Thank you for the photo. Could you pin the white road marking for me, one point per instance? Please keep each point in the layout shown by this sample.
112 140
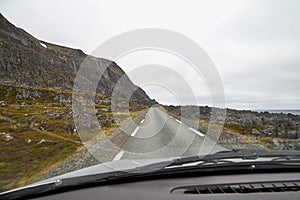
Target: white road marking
142 120
178 121
171 117
197 132
135 162
135 131
119 155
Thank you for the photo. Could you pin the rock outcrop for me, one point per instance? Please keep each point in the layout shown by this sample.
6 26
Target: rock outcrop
25 60
283 128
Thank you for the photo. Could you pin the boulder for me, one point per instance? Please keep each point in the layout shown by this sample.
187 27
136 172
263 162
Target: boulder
255 132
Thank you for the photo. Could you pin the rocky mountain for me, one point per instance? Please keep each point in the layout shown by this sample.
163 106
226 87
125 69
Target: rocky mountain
27 61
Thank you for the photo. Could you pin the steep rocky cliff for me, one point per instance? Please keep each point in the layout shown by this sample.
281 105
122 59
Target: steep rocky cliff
27 61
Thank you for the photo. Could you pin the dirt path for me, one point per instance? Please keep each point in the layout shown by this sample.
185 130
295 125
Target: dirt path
55 135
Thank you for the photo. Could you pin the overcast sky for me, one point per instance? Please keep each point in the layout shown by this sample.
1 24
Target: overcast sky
255 44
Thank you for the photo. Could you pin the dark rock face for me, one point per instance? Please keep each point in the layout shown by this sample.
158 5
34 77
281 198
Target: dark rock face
28 61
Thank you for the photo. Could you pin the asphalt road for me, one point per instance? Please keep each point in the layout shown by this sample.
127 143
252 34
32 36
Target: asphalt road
160 135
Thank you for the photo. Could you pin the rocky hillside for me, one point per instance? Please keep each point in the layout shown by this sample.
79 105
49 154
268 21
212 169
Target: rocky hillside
274 130
27 61
36 116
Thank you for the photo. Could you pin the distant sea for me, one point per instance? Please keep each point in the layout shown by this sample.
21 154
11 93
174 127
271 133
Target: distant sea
294 111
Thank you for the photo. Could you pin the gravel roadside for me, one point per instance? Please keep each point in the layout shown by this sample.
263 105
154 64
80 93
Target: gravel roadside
105 153
230 141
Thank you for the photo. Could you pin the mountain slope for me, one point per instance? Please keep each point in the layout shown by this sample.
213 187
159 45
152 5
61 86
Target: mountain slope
28 61
37 129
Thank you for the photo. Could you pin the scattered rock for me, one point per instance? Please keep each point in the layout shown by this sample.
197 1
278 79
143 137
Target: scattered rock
276 142
293 135
257 121
44 141
230 141
255 132
41 141
6 136
58 116
269 134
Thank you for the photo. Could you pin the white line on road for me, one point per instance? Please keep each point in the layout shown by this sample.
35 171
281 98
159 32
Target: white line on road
178 121
197 132
142 121
171 117
119 155
135 131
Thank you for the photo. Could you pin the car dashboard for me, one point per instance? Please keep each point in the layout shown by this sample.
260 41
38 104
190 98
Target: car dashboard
239 186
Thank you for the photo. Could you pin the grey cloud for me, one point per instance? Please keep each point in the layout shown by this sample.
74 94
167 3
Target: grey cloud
257 49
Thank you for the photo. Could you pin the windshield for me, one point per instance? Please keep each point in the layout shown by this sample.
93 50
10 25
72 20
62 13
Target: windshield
87 83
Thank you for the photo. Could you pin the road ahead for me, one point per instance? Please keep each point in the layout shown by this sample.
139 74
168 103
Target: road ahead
160 135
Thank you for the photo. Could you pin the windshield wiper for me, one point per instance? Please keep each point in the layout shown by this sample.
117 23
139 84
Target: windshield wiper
244 154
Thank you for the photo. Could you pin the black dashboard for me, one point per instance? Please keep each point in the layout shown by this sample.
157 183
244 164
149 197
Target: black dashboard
240 186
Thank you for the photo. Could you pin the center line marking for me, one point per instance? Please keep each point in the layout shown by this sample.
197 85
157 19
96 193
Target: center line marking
197 132
119 155
178 121
135 131
142 121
